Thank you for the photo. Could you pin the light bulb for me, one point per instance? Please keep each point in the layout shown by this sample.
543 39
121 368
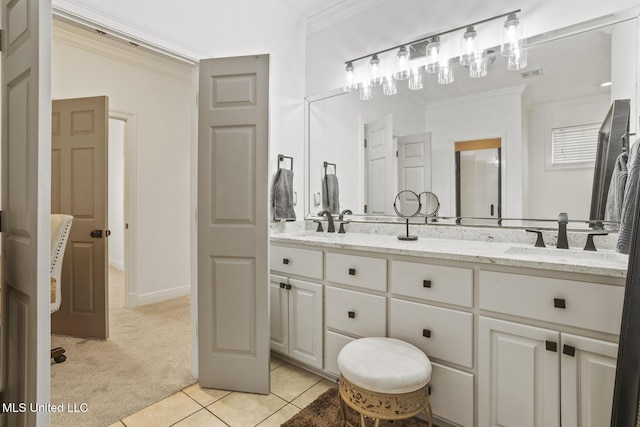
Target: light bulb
511 35
468 46
374 71
433 55
478 68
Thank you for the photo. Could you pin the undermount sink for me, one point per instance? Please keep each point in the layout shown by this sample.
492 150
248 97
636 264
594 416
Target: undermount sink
567 253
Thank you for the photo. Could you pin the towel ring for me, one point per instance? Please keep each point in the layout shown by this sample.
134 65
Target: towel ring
327 164
281 158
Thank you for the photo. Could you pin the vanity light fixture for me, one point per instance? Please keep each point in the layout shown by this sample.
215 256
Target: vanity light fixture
513 44
403 64
350 84
428 52
433 55
374 71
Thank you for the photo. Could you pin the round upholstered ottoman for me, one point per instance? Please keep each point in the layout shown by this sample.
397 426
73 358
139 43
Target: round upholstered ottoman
384 379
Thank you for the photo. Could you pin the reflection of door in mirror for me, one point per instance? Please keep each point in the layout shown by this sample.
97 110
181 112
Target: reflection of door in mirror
414 166
478 183
380 178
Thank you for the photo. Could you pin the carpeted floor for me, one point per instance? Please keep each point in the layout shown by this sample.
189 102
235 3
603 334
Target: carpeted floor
146 358
325 412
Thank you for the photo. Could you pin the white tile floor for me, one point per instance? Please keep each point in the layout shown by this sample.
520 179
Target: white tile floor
292 389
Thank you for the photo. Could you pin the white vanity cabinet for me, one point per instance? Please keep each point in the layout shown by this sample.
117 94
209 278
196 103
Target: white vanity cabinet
296 305
544 376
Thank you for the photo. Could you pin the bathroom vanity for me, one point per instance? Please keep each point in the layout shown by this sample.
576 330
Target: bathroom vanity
516 335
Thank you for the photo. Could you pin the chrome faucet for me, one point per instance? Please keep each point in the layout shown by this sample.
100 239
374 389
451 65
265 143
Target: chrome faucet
563 219
330 228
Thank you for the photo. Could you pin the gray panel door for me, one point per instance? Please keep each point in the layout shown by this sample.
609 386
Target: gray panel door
233 240
26 165
79 158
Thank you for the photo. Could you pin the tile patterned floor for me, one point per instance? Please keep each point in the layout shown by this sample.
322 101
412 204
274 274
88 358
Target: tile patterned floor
292 389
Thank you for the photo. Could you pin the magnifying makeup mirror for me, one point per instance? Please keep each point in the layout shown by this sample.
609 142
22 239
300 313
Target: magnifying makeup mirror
430 205
407 204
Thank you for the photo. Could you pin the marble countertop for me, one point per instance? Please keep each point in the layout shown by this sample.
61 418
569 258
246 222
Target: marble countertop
603 262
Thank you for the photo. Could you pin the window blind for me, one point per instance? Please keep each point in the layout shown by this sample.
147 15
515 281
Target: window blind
574 145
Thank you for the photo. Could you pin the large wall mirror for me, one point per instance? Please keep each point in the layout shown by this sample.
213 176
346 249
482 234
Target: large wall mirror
411 136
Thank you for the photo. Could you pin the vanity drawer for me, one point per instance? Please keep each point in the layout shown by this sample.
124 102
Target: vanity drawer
355 312
333 343
568 302
364 272
452 394
301 262
440 332
451 285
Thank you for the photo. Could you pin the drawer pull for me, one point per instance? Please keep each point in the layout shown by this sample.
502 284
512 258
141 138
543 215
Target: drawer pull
426 333
283 285
551 346
352 272
426 283
352 315
285 261
559 303
569 350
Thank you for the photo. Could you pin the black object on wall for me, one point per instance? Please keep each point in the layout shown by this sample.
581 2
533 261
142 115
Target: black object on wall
612 140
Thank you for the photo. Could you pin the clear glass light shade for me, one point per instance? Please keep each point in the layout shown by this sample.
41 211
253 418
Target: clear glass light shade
445 73
469 46
402 64
389 86
478 68
517 59
433 55
375 75
349 78
511 35
415 79
366 92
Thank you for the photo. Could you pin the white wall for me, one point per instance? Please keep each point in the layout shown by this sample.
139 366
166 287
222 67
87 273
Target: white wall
116 193
575 200
495 114
162 104
393 22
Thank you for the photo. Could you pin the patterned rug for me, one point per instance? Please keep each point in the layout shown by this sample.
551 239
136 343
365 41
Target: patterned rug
325 412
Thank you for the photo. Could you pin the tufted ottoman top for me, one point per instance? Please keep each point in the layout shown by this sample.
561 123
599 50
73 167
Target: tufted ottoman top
384 365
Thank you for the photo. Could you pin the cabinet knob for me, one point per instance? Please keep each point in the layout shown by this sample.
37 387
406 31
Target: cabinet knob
352 315
352 272
569 350
559 303
426 283
551 346
426 333
285 261
283 285
288 287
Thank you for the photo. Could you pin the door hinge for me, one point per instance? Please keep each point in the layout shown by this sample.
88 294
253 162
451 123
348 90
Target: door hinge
0 221
365 143
396 153
365 208
1 33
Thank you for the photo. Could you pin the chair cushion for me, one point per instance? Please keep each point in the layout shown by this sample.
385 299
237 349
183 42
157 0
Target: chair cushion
384 365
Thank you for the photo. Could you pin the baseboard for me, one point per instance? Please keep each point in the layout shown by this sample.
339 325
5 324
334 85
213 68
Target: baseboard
167 294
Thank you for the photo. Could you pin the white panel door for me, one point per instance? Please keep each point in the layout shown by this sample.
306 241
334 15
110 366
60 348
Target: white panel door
518 375
233 229
379 166
414 167
588 375
26 199
305 322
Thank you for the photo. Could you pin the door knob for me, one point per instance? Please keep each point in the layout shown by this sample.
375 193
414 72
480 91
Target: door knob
96 234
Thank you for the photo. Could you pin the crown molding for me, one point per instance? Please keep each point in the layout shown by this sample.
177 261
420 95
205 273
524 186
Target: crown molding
74 12
338 12
118 51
